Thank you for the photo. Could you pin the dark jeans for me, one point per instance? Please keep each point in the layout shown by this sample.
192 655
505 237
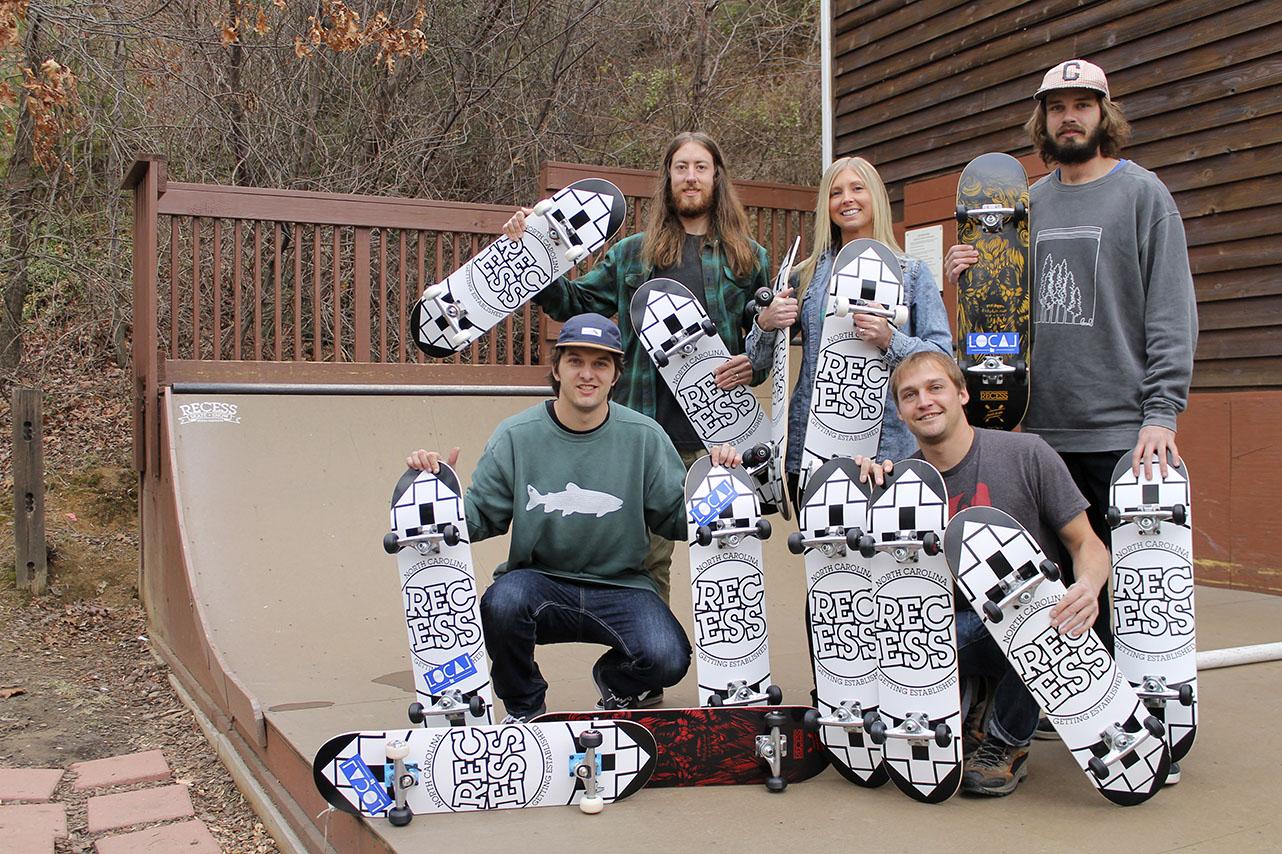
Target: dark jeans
1012 711
1093 474
648 648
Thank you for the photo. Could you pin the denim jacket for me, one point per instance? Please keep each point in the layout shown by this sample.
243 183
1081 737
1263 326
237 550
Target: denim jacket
927 328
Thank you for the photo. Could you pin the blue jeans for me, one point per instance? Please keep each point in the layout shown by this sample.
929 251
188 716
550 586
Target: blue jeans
648 648
1012 711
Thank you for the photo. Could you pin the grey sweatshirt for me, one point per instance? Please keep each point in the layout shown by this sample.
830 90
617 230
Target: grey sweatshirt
1115 318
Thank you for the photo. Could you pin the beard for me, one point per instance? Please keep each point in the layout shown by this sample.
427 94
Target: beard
693 207
1072 153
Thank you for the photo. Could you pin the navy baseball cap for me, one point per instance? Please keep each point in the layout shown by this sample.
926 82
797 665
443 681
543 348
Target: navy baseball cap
591 330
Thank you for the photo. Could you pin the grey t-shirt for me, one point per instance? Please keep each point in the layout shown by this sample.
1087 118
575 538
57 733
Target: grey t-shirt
1020 474
1115 318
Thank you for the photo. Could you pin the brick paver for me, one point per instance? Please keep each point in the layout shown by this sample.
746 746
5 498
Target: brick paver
48 818
144 767
28 784
28 840
188 837
160 803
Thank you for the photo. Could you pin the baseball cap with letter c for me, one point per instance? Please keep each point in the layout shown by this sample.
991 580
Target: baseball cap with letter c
1074 74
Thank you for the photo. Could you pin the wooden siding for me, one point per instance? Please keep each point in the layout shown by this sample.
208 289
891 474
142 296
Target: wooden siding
923 86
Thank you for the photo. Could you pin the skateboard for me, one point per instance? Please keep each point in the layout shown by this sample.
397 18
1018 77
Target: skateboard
779 380
1007 579
439 595
731 653
733 745
676 332
398 774
1153 626
994 330
851 375
563 230
918 701
840 615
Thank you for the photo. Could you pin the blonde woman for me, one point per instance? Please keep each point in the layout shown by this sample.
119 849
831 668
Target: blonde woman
852 204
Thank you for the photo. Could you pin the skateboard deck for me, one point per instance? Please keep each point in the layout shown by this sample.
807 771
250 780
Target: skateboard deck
565 229
465 769
917 686
731 650
440 599
840 611
676 332
727 746
1153 624
994 327
1007 579
779 373
851 375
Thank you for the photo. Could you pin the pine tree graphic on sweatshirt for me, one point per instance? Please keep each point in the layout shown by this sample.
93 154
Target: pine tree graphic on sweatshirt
1066 275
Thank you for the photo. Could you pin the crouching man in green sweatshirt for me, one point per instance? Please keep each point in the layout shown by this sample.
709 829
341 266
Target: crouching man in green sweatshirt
582 482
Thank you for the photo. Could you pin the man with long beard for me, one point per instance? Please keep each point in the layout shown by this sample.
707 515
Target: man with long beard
1115 316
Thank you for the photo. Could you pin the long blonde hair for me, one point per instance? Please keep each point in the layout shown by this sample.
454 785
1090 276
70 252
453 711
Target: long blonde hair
827 235
664 234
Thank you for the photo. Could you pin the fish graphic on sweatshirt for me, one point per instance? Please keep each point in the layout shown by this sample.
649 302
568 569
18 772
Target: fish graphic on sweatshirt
574 499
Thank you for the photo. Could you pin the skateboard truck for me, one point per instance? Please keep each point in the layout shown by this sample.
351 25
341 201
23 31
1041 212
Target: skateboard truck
992 217
848 714
1148 518
685 344
402 780
914 728
1154 692
1121 743
562 231
453 314
426 542
740 693
992 369
833 541
905 546
1019 590
761 462
773 748
897 316
728 537
586 769
449 705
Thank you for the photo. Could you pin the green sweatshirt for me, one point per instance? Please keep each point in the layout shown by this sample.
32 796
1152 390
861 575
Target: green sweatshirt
581 505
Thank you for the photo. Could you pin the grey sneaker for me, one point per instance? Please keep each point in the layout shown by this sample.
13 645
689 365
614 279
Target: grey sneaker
994 769
1173 776
1045 730
524 719
611 700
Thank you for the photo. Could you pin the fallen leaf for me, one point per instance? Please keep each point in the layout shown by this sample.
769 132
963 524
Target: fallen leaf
11 691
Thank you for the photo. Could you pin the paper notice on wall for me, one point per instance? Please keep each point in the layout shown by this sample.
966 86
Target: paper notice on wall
927 245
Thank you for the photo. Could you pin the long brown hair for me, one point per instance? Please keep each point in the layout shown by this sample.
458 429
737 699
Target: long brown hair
664 235
827 235
1115 130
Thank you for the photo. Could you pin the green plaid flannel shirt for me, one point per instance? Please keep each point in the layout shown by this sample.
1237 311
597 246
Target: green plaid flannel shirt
608 288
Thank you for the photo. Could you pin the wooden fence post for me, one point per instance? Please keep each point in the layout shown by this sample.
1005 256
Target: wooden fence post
29 491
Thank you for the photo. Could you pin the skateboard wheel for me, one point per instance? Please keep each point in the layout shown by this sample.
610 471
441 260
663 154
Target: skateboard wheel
703 535
716 701
449 534
840 307
810 720
591 738
542 206
943 735
1178 514
1154 726
867 545
796 542
399 816
433 292
391 543
1186 694
774 696
992 611
763 529
757 454
1113 516
961 214
876 730
1021 212
776 784
709 328
775 718
1097 767
576 254
930 543
592 806
764 296
415 713
457 340
476 706
1049 570
900 319
661 358
396 750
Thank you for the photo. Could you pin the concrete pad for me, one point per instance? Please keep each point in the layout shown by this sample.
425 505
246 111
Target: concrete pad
124 770
187 837
28 784
48 819
161 803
